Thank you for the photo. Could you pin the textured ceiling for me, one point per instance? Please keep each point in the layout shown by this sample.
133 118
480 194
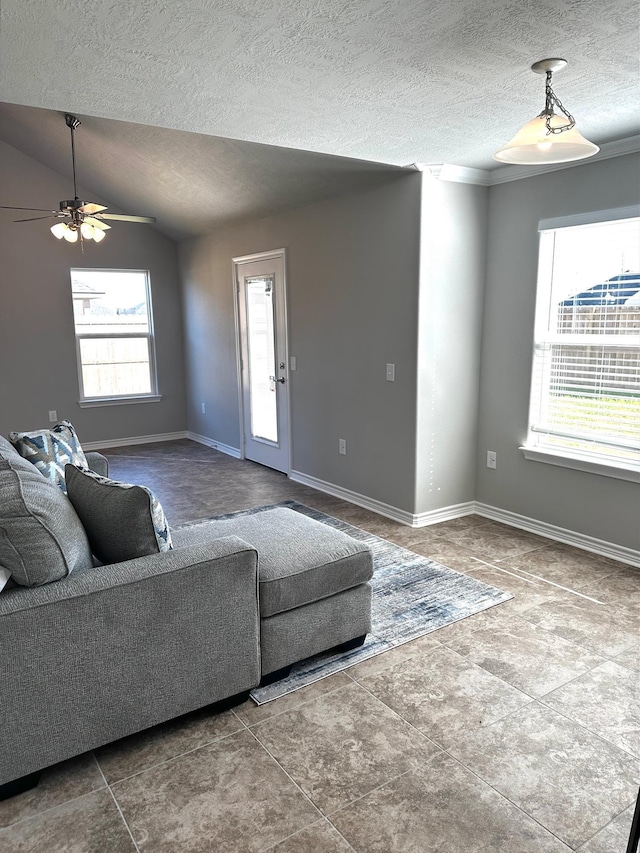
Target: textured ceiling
392 81
190 182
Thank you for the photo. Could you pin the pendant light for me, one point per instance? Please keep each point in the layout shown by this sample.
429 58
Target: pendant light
549 137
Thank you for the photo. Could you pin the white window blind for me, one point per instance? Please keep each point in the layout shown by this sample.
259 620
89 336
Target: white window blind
585 393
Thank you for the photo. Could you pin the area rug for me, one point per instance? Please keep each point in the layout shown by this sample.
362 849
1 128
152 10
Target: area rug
412 596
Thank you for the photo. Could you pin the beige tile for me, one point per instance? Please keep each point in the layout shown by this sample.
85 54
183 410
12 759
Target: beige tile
447 553
570 567
527 592
563 776
441 807
342 745
496 541
630 658
319 838
621 589
442 694
463 523
62 782
229 796
524 655
600 628
613 837
250 713
606 701
90 824
465 627
153 746
378 663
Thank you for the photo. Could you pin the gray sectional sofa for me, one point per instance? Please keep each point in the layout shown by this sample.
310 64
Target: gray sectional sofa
109 650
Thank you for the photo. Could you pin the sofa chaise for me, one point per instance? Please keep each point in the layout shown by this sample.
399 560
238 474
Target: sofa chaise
109 650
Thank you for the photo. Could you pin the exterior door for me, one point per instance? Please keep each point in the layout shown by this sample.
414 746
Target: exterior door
263 358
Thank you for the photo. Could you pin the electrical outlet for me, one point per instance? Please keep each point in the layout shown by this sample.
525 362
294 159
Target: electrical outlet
342 446
204 409
492 458
53 416
391 373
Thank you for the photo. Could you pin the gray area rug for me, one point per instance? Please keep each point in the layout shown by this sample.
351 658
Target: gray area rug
412 596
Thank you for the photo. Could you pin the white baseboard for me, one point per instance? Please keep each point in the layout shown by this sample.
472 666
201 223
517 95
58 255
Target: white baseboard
387 510
522 522
446 513
216 445
560 534
136 439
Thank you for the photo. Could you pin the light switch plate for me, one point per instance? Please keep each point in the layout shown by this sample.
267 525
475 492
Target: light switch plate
391 373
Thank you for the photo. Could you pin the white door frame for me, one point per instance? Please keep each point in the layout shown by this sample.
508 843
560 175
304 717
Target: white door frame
244 259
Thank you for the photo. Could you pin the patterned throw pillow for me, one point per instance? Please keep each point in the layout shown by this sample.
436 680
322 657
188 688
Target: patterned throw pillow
50 450
122 521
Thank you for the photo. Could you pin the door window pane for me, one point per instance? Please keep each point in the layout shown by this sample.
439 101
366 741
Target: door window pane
262 357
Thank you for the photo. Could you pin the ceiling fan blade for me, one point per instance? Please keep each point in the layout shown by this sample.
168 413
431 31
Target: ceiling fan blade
33 218
97 223
35 209
91 208
123 218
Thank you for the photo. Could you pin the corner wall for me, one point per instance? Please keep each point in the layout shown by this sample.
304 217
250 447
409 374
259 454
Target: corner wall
38 369
352 279
590 504
452 267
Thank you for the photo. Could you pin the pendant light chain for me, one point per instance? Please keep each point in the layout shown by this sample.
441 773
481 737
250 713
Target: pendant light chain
551 99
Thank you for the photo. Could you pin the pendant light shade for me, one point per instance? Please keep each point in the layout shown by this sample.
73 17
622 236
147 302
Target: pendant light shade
549 137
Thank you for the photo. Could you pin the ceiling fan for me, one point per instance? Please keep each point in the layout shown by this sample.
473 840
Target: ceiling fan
82 220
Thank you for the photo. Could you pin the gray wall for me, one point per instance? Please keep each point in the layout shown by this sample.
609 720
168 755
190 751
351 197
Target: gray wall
353 267
38 370
598 506
453 241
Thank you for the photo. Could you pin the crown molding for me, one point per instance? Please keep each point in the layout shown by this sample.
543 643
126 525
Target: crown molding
617 148
457 174
504 174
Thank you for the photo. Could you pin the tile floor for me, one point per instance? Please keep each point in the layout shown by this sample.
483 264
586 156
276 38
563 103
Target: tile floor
514 731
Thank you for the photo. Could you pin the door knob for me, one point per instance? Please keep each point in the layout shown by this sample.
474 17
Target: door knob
273 379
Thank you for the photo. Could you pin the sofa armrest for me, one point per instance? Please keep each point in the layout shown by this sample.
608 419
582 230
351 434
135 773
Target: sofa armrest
98 463
111 651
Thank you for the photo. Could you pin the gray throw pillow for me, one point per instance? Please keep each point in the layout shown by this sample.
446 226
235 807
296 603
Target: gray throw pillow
122 521
41 537
50 450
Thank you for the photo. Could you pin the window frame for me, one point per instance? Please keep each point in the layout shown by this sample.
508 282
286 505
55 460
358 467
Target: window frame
534 447
118 399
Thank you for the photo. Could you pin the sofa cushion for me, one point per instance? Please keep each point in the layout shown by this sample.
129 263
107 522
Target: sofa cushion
123 521
50 450
300 560
41 537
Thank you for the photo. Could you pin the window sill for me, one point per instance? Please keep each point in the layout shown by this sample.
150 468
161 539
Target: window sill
119 401
564 459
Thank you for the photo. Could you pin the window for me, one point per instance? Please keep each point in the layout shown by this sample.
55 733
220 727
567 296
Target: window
114 335
585 390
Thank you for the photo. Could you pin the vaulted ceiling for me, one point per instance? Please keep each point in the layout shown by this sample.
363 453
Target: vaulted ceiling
391 81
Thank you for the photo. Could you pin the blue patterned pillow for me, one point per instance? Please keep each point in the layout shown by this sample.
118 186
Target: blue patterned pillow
122 521
50 450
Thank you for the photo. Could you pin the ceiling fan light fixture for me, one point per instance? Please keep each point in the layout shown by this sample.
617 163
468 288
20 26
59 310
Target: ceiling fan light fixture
98 235
58 229
550 137
71 234
87 231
